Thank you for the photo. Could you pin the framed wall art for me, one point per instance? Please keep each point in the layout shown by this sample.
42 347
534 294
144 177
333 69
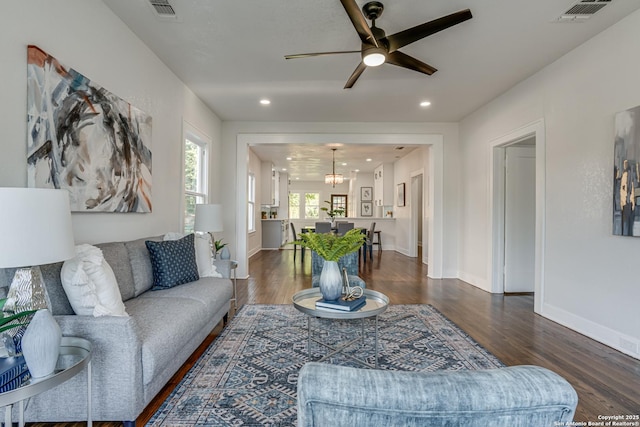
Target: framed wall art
366 194
84 139
366 209
400 194
626 164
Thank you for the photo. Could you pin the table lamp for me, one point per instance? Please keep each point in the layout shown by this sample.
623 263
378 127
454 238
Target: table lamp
209 220
35 229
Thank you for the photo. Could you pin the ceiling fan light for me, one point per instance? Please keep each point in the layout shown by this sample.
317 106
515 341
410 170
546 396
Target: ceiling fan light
374 56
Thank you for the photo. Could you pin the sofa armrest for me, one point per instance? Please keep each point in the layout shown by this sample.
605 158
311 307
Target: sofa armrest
116 360
515 396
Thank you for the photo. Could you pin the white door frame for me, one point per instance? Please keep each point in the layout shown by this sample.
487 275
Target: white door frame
497 201
436 183
413 222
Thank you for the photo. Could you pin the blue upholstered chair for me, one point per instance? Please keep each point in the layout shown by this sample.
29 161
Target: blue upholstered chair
349 261
339 396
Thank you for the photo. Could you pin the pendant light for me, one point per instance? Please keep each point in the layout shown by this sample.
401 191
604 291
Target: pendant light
333 178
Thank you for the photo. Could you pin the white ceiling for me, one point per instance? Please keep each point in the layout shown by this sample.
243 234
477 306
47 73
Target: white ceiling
231 54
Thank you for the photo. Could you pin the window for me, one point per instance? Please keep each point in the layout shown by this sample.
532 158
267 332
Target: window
195 177
312 205
339 201
294 205
251 209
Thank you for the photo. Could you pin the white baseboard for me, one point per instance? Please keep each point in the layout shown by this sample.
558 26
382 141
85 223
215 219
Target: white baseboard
612 338
478 282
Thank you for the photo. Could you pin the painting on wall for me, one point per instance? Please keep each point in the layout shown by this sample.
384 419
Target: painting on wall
366 194
626 164
83 138
366 209
400 194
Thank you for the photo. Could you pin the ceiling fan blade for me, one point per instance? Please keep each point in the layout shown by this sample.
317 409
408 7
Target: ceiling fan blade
307 55
359 22
403 38
403 60
354 76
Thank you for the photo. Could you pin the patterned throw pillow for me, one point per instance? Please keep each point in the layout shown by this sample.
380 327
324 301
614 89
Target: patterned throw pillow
173 262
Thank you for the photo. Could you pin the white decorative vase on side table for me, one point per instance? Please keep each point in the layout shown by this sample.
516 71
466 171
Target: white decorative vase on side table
41 344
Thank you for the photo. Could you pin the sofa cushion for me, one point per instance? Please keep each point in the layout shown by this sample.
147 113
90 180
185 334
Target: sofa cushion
90 284
166 319
141 264
117 256
173 262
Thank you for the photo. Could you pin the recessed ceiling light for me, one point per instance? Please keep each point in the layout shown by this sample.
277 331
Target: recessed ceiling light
357 170
289 158
265 101
425 103
344 164
284 169
368 160
297 177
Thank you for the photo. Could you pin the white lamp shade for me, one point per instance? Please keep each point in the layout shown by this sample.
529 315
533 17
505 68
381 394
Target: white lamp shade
208 218
35 227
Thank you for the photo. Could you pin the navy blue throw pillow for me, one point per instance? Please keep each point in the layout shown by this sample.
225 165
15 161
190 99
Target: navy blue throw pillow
173 262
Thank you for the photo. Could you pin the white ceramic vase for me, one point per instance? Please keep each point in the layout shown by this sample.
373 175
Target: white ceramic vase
41 344
330 281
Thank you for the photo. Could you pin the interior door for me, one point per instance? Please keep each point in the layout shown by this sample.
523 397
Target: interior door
520 219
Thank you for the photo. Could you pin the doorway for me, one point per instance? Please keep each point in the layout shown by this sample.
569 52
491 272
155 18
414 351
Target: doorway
516 262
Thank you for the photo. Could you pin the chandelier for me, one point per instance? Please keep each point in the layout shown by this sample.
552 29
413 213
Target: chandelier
333 178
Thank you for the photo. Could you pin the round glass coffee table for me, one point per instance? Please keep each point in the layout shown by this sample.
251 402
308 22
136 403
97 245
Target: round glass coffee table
75 355
376 303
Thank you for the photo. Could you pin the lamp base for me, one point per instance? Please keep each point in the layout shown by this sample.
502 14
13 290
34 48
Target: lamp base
27 291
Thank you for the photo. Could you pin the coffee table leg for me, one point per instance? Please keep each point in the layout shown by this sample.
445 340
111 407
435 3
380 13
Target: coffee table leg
89 420
376 343
308 337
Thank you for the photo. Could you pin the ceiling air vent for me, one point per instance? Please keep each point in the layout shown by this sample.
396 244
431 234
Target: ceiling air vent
582 10
163 9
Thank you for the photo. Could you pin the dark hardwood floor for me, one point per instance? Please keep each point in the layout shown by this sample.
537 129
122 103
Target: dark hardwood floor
607 381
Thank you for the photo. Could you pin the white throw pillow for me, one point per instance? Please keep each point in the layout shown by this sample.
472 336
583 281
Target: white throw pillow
203 253
90 284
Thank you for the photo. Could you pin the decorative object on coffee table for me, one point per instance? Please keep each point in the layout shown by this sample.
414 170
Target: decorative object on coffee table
41 344
331 248
209 220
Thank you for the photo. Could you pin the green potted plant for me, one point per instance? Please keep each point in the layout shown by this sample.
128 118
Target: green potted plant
331 248
218 247
332 212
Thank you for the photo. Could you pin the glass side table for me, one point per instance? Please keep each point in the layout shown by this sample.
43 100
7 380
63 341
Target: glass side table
75 354
224 267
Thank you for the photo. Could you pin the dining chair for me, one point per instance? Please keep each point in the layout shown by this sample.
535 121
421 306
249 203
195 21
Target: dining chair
368 245
323 227
343 227
295 247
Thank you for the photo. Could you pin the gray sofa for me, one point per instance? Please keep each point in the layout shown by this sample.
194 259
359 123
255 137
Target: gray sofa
520 396
133 357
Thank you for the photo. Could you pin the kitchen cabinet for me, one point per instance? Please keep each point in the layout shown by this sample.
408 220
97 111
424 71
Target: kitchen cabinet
274 233
270 184
383 185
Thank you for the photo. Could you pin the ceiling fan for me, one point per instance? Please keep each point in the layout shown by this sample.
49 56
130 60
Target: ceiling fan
378 48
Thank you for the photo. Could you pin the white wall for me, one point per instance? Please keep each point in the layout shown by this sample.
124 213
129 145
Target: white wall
590 279
97 44
404 168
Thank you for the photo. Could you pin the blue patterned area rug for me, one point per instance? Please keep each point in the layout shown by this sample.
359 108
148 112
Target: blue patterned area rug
247 377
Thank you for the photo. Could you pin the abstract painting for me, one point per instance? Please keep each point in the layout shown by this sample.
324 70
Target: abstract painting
83 138
626 164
